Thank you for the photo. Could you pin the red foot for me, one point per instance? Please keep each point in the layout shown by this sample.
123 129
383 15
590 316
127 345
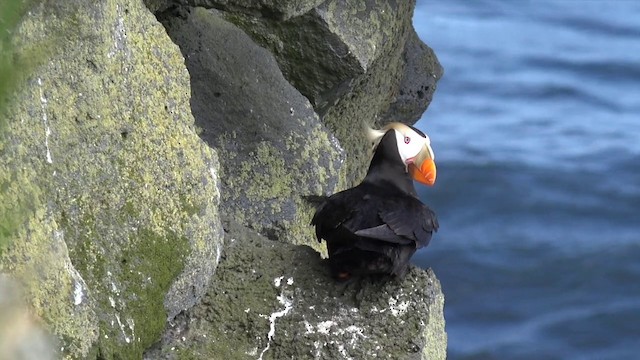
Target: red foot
344 276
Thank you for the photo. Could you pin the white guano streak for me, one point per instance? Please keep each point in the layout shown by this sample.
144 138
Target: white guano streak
45 119
288 305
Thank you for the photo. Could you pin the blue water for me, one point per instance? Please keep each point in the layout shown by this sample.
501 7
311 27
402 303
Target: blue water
536 130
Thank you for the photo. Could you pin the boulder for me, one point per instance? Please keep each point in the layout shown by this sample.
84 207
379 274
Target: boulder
124 230
271 300
419 80
276 9
357 62
273 148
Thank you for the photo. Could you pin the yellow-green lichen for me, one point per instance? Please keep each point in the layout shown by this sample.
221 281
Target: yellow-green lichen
136 290
40 260
372 35
106 131
277 301
266 174
265 188
15 64
18 198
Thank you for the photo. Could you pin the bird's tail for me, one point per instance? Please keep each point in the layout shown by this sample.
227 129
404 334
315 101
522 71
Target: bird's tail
315 199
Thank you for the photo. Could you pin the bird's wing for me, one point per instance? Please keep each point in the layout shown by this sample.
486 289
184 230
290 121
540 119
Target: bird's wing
410 219
385 233
399 219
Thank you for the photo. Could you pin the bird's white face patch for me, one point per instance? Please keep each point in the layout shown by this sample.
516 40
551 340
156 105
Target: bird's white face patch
410 142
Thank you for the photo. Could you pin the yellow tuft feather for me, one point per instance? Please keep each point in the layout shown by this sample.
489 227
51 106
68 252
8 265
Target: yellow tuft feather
375 135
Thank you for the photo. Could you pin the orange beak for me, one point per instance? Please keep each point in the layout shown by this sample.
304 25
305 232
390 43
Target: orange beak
423 169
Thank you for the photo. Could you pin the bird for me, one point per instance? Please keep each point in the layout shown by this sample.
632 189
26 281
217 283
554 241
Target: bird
375 227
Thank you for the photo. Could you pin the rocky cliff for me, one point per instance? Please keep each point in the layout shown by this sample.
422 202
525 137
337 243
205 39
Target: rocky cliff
150 125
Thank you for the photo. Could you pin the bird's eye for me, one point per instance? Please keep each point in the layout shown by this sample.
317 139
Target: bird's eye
407 139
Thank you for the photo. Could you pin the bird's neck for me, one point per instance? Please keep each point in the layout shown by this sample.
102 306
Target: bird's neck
387 168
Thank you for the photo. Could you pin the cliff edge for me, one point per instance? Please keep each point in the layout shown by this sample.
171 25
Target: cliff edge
148 123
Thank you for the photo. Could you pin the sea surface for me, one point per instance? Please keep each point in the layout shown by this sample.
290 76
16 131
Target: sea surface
536 130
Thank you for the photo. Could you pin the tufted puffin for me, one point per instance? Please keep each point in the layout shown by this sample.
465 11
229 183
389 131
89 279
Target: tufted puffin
375 227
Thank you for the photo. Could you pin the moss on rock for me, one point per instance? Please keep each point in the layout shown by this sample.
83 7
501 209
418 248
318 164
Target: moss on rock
276 301
357 62
273 148
54 288
126 232
275 9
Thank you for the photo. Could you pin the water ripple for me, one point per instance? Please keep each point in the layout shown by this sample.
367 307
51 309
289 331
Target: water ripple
537 132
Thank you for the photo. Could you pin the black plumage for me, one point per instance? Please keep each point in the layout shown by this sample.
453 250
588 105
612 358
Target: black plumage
375 227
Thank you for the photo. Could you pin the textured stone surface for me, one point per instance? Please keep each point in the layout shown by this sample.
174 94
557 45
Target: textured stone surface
358 63
371 93
324 50
157 5
271 300
125 231
421 74
121 186
274 9
272 145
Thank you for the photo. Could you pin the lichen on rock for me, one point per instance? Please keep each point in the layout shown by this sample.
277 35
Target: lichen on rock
131 135
273 147
126 233
271 300
57 293
357 62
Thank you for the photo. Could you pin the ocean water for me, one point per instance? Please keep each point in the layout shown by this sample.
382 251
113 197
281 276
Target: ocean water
536 130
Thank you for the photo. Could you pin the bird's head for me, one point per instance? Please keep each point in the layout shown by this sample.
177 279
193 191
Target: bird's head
414 148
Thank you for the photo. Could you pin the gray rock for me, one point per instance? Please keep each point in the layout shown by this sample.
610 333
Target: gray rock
271 300
323 51
273 147
421 74
274 9
157 5
372 92
124 231
357 62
